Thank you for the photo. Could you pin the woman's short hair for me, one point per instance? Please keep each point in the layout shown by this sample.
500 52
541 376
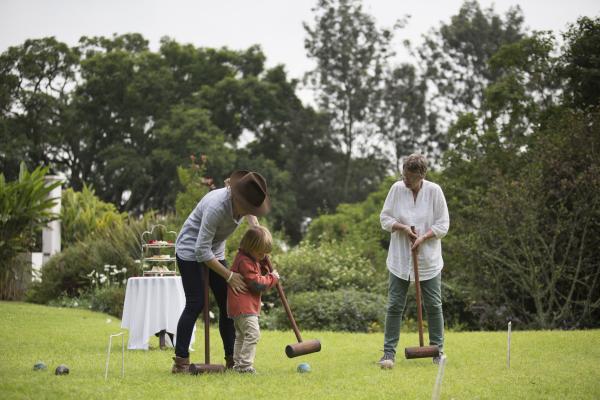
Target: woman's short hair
257 239
416 163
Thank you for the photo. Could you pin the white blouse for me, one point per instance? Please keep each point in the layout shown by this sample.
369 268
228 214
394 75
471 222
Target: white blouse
428 211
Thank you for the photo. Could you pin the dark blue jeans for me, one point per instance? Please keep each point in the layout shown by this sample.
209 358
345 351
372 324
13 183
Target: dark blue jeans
193 285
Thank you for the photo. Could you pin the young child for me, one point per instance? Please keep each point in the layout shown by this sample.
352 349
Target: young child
244 308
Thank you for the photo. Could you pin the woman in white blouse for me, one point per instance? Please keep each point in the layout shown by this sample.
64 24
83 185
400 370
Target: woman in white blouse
414 201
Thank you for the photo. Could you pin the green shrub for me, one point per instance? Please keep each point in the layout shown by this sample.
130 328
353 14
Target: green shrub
330 266
64 274
82 214
357 225
109 299
341 310
69 272
24 210
81 301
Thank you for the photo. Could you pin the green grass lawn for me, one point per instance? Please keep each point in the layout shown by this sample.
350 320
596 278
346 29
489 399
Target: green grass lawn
544 364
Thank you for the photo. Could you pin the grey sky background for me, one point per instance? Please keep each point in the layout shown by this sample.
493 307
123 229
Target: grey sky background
274 24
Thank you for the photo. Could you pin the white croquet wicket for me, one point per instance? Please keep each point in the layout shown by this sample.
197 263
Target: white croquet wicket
508 348
122 354
437 388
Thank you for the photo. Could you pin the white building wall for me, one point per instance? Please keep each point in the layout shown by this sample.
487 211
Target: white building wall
51 233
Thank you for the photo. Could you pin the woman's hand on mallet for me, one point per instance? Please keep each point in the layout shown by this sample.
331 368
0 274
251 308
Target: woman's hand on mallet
412 236
421 239
417 242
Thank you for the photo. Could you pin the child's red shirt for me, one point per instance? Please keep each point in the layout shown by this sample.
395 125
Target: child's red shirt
249 303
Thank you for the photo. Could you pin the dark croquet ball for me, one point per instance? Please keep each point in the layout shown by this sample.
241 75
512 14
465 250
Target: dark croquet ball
62 369
38 366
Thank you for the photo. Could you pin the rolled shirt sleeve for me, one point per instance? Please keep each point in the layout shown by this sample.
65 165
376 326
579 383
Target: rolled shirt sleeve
386 217
206 235
441 219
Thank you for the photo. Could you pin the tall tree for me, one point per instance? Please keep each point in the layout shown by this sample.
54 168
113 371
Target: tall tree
401 114
36 79
455 58
350 52
582 63
522 183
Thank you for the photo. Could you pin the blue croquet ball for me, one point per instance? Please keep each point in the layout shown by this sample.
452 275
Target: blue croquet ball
39 366
62 369
303 368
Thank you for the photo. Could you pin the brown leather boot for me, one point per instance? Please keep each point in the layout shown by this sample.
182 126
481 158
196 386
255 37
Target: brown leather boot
229 362
181 365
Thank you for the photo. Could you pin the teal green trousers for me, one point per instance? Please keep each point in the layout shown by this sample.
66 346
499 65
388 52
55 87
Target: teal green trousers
431 291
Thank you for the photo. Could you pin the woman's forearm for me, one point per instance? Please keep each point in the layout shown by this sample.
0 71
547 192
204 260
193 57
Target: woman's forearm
397 226
216 266
429 234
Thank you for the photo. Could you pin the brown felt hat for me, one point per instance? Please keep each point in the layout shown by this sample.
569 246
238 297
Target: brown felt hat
249 189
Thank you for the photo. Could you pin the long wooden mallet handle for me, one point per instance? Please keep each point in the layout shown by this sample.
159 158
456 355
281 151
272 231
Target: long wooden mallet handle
418 290
285 303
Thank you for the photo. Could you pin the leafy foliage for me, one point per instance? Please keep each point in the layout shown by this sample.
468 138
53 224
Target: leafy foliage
309 268
456 60
82 214
581 62
25 209
402 114
533 238
71 272
127 136
350 51
522 189
341 310
195 187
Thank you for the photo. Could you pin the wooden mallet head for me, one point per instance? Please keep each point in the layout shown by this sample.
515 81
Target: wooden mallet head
196 369
302 348
422 352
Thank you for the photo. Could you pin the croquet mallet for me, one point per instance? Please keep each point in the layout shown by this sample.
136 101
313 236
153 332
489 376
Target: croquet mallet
207 367
302 347
421 351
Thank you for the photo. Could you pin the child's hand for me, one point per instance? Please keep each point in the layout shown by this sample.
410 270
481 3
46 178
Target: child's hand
275 273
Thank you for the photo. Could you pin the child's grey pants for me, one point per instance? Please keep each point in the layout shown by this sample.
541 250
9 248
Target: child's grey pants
247 333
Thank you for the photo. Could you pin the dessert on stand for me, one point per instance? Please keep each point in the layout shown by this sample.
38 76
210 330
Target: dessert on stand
158 252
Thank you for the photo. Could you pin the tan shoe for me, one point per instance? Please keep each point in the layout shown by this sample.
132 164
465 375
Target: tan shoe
181 365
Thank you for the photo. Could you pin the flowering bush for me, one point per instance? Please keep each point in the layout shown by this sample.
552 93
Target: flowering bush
112 276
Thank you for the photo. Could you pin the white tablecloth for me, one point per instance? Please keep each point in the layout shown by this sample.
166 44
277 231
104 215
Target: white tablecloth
151 305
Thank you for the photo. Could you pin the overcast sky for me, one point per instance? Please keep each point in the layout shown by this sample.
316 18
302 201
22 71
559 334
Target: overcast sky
274 24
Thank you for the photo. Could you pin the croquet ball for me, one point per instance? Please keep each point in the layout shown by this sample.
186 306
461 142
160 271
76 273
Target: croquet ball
62 369
39 366
387 364
303 368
